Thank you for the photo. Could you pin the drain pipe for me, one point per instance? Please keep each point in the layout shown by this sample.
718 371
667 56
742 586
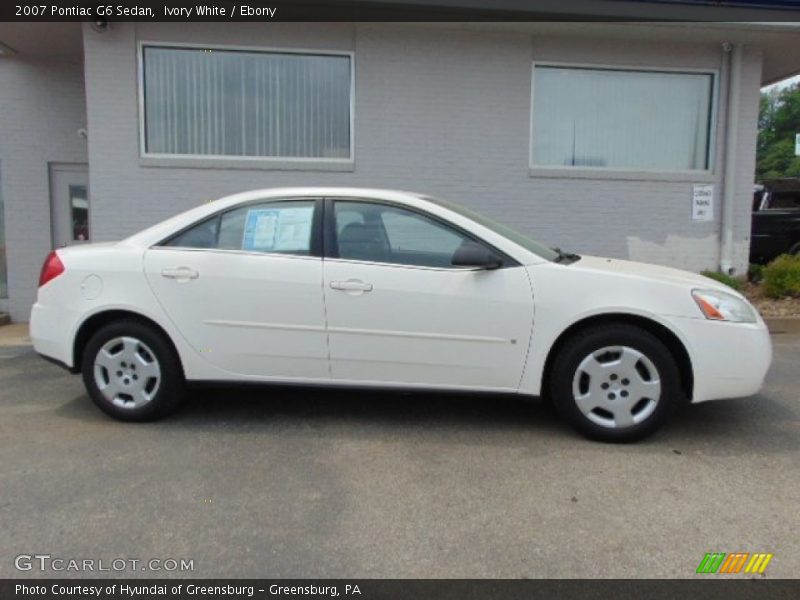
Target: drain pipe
733 53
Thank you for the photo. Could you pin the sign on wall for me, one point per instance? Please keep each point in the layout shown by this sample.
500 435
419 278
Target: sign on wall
702 202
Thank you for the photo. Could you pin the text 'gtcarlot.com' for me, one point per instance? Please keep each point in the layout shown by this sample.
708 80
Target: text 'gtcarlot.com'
47 562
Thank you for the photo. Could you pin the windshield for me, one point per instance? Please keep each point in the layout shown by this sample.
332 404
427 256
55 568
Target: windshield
507 232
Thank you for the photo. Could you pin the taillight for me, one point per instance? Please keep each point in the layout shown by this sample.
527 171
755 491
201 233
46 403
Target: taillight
52 268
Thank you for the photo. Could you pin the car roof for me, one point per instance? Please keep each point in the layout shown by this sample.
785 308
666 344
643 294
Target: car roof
313 192
164 228
321 192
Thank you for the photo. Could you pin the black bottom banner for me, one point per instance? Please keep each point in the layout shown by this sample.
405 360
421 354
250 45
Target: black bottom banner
263 589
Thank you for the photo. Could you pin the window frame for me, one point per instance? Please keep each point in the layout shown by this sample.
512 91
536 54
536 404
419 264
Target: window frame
330 245
706 174
316 239
223 159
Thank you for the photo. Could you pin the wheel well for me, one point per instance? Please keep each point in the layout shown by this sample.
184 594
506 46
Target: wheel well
95 322
667 337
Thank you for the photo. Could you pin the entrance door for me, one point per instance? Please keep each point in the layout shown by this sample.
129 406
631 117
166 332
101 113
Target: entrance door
69 204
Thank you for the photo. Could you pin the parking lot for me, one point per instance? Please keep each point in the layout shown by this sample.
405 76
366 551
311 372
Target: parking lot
298 483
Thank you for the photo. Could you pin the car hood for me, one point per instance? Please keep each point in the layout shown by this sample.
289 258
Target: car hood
597 264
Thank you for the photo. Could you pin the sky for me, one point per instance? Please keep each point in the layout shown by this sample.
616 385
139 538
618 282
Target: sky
782 84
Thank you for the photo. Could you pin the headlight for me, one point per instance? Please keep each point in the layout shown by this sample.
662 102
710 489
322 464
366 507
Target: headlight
720 306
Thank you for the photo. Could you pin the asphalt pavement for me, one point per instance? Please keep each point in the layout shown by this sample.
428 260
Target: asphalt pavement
279 482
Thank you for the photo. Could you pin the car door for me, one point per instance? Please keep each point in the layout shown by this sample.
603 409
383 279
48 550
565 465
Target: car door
398 312
244 288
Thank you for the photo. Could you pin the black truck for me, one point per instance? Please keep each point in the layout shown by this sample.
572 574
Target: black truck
775 228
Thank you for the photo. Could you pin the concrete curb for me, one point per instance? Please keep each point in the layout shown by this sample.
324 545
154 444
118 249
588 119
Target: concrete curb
783 324
15 334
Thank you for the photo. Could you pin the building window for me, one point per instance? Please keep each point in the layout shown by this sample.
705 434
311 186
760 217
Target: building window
232 103
79 213
622 119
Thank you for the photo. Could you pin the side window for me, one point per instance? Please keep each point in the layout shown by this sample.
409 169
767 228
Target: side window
412 233
202 235
279 227
388 234
344 217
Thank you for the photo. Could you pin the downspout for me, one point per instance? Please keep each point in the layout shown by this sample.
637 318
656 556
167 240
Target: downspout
733 54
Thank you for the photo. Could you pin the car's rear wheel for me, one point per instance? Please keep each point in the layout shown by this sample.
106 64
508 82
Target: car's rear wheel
615 382
132 372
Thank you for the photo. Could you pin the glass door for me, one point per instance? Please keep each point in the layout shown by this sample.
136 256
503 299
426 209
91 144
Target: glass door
69 198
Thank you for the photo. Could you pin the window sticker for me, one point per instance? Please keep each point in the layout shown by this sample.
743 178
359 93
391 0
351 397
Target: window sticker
259 230
278 229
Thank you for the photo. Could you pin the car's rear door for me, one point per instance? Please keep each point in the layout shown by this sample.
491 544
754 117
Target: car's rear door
244 289
400 313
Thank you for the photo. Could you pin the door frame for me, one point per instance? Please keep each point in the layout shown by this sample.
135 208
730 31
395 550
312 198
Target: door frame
65 167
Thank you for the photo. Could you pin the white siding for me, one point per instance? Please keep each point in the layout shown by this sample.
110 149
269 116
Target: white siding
42 107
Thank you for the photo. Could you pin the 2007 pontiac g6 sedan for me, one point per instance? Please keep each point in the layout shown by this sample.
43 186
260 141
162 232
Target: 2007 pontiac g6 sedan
357 287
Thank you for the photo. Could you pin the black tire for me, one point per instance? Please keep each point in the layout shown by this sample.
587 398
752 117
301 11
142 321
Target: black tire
654 412
166 389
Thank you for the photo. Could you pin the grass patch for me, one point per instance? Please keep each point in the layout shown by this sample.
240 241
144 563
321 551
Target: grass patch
782 277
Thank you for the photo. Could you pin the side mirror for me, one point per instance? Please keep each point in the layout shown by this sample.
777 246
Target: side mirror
475 255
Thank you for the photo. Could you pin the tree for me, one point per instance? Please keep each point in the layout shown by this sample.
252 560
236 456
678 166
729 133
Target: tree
778 123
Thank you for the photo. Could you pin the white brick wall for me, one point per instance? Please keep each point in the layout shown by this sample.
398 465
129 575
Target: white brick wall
42 107
439 111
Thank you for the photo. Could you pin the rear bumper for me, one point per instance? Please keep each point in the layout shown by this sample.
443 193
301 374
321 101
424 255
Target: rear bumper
729 360
50 332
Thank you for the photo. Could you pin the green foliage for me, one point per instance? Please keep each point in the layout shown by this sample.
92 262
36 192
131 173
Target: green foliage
755 273
782 277
733 282
778 122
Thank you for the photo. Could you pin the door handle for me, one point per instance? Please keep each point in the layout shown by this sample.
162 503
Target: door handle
351 285
180 273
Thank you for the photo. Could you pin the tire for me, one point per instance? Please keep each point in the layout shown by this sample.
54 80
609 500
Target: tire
615 383
132 372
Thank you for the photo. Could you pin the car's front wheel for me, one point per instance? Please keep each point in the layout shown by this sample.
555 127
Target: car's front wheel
615 382
132 372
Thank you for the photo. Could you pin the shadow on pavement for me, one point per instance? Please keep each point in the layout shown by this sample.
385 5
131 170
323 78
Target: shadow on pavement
727 427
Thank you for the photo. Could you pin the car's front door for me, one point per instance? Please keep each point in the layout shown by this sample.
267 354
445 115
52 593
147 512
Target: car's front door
244 289
399 312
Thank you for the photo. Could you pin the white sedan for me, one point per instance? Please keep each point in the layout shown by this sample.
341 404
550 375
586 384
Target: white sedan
357 287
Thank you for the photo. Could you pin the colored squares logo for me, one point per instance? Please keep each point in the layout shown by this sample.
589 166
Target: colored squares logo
735 562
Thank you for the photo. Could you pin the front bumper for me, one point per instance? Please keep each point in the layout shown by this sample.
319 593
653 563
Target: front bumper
729 360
